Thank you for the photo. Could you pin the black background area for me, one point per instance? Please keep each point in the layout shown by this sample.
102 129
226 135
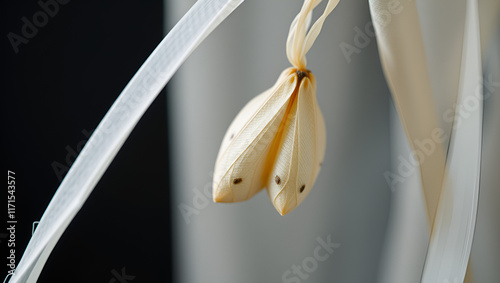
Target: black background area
55 91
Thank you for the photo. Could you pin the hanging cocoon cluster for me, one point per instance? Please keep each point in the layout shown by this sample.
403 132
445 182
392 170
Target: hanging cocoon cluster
278 139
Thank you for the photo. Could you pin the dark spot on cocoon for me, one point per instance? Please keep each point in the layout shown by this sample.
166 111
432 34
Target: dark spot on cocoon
302 188
277 180
237 181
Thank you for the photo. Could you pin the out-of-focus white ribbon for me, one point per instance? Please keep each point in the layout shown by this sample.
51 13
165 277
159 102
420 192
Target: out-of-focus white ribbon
453 230
116 126
449 182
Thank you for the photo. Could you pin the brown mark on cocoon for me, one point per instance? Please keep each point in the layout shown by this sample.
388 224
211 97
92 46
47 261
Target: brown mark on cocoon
237 181
302 188
277 179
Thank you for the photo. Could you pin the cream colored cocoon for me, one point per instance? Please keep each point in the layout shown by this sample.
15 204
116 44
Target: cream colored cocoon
242 156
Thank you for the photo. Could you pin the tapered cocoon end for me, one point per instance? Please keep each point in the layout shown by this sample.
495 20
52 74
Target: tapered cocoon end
223 197
222 194
284 202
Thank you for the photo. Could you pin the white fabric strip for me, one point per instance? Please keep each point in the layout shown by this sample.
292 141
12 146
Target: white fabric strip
400 40
453 230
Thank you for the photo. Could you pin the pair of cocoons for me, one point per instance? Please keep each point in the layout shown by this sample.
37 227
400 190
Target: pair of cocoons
278 140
